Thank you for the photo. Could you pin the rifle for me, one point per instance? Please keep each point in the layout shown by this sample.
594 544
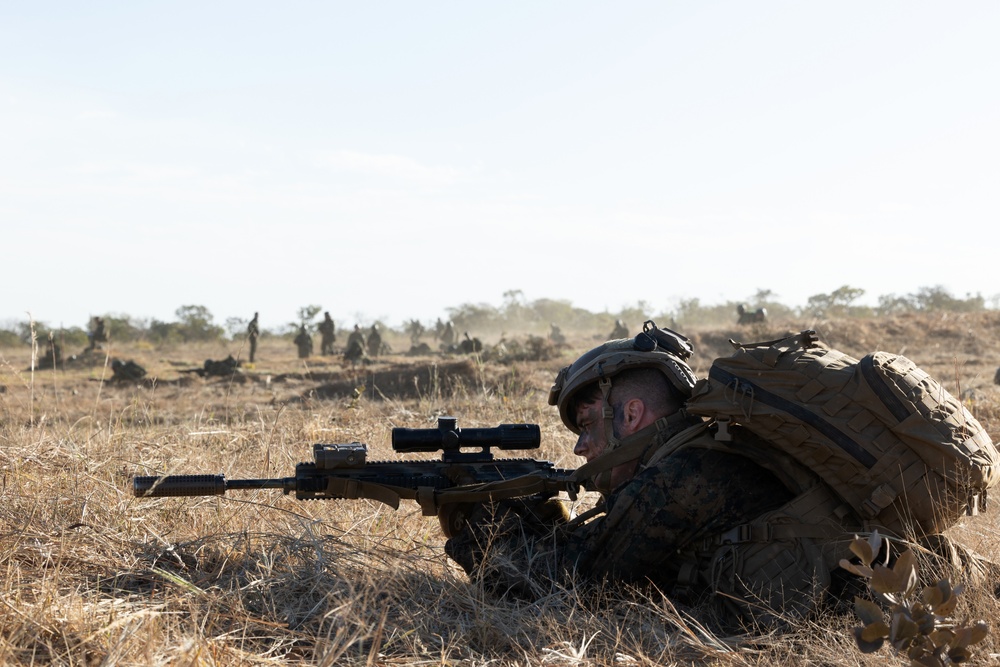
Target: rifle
341 471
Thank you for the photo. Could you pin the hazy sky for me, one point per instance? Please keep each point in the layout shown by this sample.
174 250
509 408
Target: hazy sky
391 159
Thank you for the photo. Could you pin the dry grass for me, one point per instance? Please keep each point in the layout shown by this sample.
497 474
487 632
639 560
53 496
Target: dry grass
91 575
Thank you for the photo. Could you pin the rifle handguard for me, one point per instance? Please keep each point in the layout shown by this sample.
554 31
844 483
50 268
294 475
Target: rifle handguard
179 485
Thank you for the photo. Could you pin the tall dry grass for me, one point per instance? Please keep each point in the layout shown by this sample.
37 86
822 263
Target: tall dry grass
91 575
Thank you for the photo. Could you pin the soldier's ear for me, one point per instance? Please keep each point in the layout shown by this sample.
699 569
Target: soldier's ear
633 412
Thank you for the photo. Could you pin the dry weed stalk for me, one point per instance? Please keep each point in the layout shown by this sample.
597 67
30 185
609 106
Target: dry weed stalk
920 624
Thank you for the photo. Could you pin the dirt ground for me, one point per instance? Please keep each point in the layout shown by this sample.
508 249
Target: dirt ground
93 575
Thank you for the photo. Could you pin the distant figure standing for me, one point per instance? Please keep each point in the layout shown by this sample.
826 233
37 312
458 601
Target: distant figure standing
326 330
304 342
448 335
416 330
97 334
374 341
253 332
620 330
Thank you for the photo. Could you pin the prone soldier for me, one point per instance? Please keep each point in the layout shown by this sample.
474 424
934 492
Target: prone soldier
747 316
670 495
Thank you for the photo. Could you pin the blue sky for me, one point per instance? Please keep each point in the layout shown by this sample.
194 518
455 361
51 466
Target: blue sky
389 160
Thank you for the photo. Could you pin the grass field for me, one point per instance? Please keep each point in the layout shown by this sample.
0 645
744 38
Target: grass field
90 575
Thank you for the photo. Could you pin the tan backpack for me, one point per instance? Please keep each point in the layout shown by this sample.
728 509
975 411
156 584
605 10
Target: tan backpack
902 452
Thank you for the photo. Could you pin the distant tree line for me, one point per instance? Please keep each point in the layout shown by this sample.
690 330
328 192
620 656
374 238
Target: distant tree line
514 315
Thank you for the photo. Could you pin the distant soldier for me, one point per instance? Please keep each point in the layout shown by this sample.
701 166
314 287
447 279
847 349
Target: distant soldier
213 368
448 335
355 350
253 332
98 334
357 337
438 329
53 355
470 345
374 341
326 330
556 334
304 342
126 371
620 330
747 316
416 330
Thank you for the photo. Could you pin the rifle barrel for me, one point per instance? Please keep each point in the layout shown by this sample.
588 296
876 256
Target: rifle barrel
202 485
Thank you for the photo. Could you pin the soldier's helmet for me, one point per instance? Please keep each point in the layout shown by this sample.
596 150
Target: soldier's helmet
662 349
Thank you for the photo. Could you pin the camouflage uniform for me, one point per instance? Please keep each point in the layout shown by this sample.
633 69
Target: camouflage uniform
253 331
470 345
98 334
652 525
126 371
374 341
326 330
355 350
416 330
448 335
304 342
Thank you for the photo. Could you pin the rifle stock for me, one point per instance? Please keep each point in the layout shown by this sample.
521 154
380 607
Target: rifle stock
342 471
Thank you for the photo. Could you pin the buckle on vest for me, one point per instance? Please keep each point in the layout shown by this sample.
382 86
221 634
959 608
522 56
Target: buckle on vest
723 434
745 532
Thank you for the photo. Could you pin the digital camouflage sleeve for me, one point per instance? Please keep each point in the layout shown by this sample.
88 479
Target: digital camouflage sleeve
692 495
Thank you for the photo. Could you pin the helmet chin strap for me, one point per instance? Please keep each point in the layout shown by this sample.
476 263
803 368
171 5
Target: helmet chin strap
608 413
602 480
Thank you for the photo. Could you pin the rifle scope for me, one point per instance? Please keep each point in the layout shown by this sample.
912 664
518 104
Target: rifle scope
448 437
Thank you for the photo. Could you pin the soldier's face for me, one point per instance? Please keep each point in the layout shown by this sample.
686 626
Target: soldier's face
592 440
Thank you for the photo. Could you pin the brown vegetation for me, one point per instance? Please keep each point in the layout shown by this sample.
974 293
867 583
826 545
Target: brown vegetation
92 575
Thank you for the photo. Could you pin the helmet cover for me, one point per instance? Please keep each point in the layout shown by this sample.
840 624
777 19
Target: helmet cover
662 349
